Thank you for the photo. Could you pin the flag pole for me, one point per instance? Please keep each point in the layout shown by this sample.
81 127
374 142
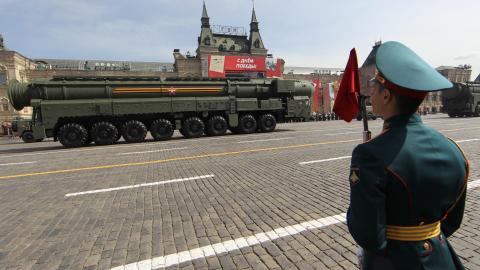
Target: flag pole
367 135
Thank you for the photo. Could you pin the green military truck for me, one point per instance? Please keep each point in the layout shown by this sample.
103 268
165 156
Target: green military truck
463 99
78 111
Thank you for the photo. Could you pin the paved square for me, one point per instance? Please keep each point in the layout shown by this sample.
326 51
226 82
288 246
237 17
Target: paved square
259 201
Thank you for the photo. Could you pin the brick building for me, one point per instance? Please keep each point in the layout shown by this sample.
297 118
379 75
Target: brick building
458 74
13 66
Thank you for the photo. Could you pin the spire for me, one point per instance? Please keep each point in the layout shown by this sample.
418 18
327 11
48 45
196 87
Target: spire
254 17
254 22
204 13
205 20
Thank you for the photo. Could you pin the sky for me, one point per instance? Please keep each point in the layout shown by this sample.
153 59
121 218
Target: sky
305 33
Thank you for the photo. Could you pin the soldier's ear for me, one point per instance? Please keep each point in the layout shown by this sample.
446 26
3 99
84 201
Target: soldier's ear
387 96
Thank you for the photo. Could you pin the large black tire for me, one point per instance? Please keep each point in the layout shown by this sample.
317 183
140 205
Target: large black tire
192 127
247 124
359 118
374 117
28 137
216 126
134 131
267 122
161 129
103 133
72 135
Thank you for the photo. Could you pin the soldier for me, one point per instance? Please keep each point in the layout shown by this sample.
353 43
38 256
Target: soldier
408 184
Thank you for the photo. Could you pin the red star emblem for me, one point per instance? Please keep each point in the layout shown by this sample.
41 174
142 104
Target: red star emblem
172 90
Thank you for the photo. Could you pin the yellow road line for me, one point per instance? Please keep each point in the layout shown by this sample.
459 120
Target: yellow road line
171 159
457 129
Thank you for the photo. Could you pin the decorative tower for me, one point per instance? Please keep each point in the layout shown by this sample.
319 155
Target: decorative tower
255 40
205 40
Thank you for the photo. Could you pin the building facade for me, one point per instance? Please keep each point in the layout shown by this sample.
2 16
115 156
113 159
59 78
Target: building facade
458 74
13 66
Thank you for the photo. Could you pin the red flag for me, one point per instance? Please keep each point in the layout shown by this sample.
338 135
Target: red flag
346 102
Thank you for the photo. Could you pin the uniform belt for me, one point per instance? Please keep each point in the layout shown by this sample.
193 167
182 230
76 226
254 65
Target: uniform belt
413 233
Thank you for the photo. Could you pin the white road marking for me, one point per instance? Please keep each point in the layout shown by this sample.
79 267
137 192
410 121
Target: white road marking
334 134
266 140
323 160
473 184
139 185
231 245
471 140
239 243
152 151
18 163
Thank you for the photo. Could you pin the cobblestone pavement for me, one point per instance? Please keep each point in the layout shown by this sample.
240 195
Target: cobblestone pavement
252 204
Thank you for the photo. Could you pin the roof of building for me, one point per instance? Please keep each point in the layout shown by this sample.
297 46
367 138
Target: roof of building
312 70
478 78
77 64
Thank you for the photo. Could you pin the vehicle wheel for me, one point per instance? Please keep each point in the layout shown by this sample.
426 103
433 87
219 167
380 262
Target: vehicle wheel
72 135
161 129
193 127
134 131
477 112
359 118
374 117
267 122
247 124
216 126
28 137
103 133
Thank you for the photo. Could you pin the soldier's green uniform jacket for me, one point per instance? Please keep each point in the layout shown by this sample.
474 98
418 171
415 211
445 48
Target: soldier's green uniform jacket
404 184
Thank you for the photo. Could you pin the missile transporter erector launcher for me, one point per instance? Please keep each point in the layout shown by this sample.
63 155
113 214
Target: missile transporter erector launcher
77 111
463 99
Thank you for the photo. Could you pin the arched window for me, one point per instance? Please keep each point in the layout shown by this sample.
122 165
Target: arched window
206 41
221 47
256 44
232 48
4 105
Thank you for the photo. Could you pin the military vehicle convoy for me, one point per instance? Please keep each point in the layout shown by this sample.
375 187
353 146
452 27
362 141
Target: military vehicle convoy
462 100
78 111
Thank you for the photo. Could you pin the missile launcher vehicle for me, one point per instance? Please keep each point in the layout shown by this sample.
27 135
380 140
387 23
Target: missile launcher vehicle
78 111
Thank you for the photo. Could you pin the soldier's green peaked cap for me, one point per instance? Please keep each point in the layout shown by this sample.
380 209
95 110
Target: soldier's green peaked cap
402 67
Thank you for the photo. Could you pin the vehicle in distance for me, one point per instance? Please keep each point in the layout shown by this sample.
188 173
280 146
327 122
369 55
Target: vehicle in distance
462 100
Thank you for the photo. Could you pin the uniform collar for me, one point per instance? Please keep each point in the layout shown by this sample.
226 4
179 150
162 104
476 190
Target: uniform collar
401 120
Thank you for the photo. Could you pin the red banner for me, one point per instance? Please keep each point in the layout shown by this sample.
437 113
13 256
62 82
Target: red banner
244 63
219 65
273 66
316 95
